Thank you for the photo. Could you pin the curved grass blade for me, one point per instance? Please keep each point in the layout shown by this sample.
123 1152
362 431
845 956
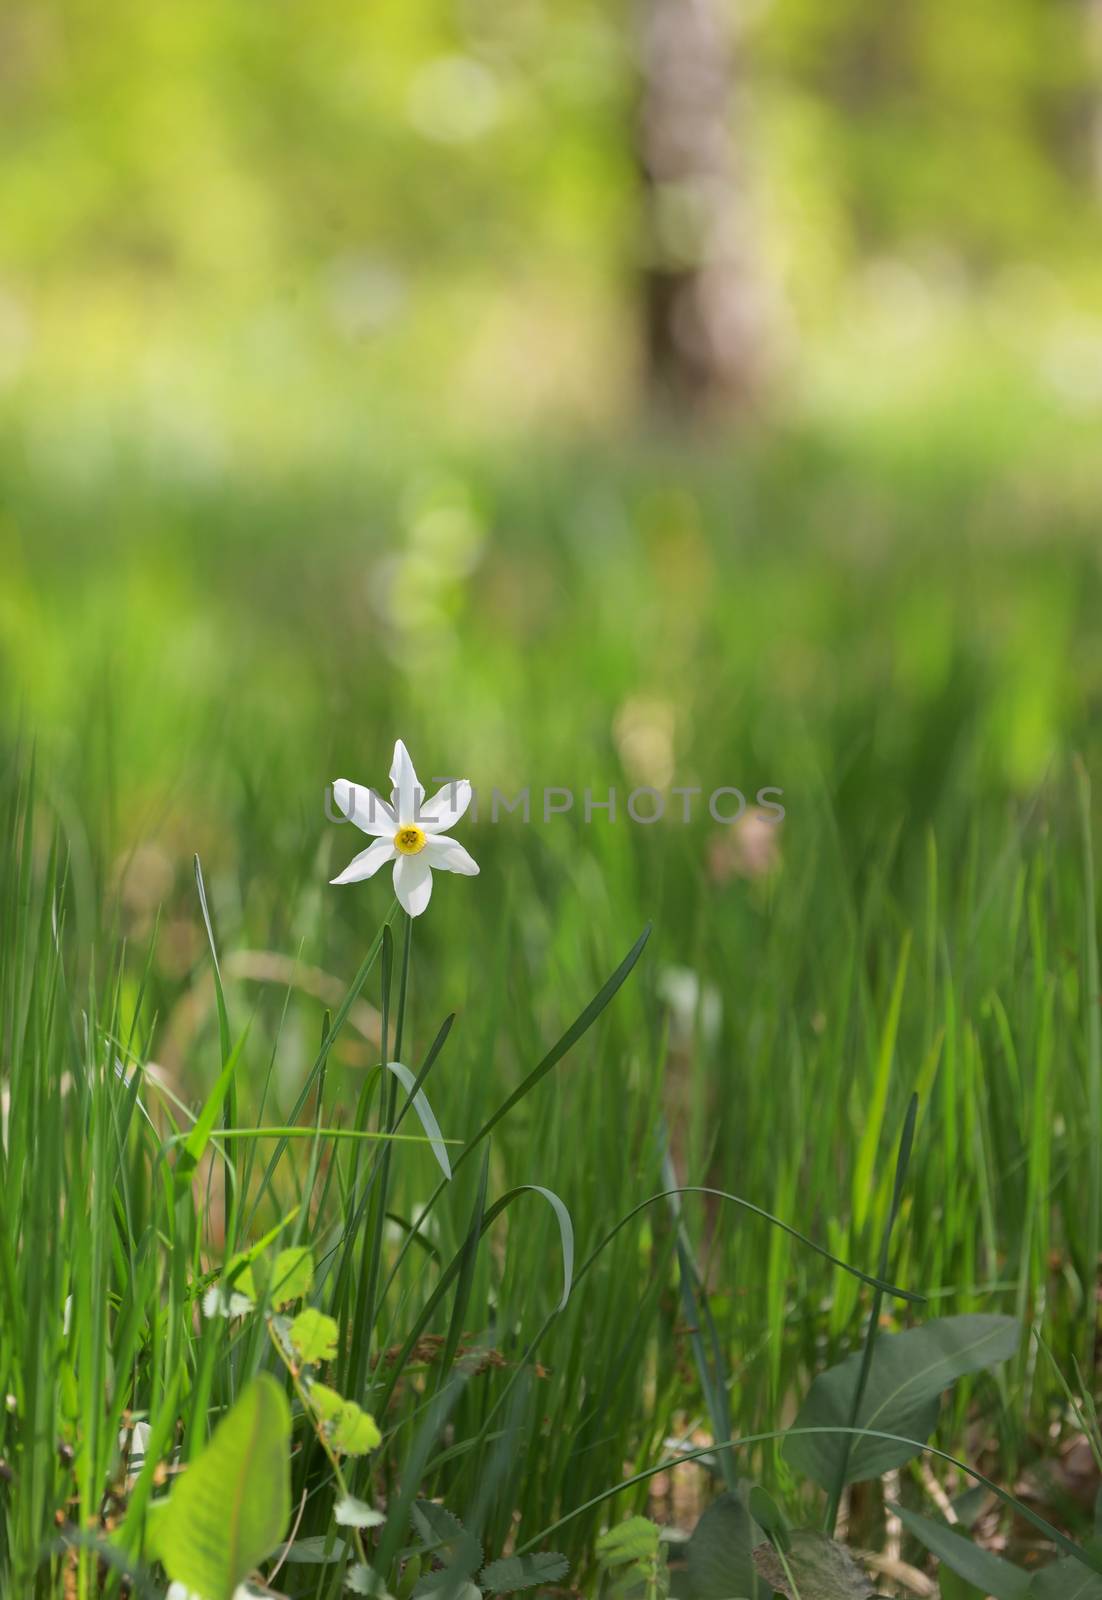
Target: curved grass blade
767 1216
419 1101
566 1229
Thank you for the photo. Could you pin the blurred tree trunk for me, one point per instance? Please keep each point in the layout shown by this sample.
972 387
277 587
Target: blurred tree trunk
706 338
1094 57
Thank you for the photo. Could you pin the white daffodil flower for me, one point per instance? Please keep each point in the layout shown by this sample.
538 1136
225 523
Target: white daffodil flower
411 831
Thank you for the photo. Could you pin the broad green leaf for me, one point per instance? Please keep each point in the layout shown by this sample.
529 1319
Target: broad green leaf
909 1373
514 1573
230 1508
719 1559
814 1568
633 1540
314 1336
325 1401
1066 1579
292 1275
352 1513
990 1574
354 1432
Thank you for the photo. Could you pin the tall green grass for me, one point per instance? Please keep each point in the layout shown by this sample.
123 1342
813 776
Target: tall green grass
929 929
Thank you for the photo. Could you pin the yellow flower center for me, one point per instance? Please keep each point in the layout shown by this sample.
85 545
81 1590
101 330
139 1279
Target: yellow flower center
409 841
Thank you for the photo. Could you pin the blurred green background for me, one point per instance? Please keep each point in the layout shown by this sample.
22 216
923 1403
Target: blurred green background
680 391
476 368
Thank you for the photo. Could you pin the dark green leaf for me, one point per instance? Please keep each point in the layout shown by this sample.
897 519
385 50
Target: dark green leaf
1066 1579
908 1375
719 1560
523 1572
990 1574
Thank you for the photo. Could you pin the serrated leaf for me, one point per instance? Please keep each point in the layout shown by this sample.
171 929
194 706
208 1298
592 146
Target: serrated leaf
514 1573
325 1401
909 1373
633 1540
719 1558
355 1432
352 1513
817 1569
447 1585
989 1573
445 1537
314 1336
292 1275
230 1508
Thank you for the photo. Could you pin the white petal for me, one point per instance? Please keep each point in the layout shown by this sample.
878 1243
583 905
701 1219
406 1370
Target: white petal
367 862
449 855
446 806
407 792
365 808
413 882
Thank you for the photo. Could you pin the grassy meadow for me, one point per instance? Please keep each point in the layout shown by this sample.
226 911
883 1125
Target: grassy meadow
798 615
652 413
